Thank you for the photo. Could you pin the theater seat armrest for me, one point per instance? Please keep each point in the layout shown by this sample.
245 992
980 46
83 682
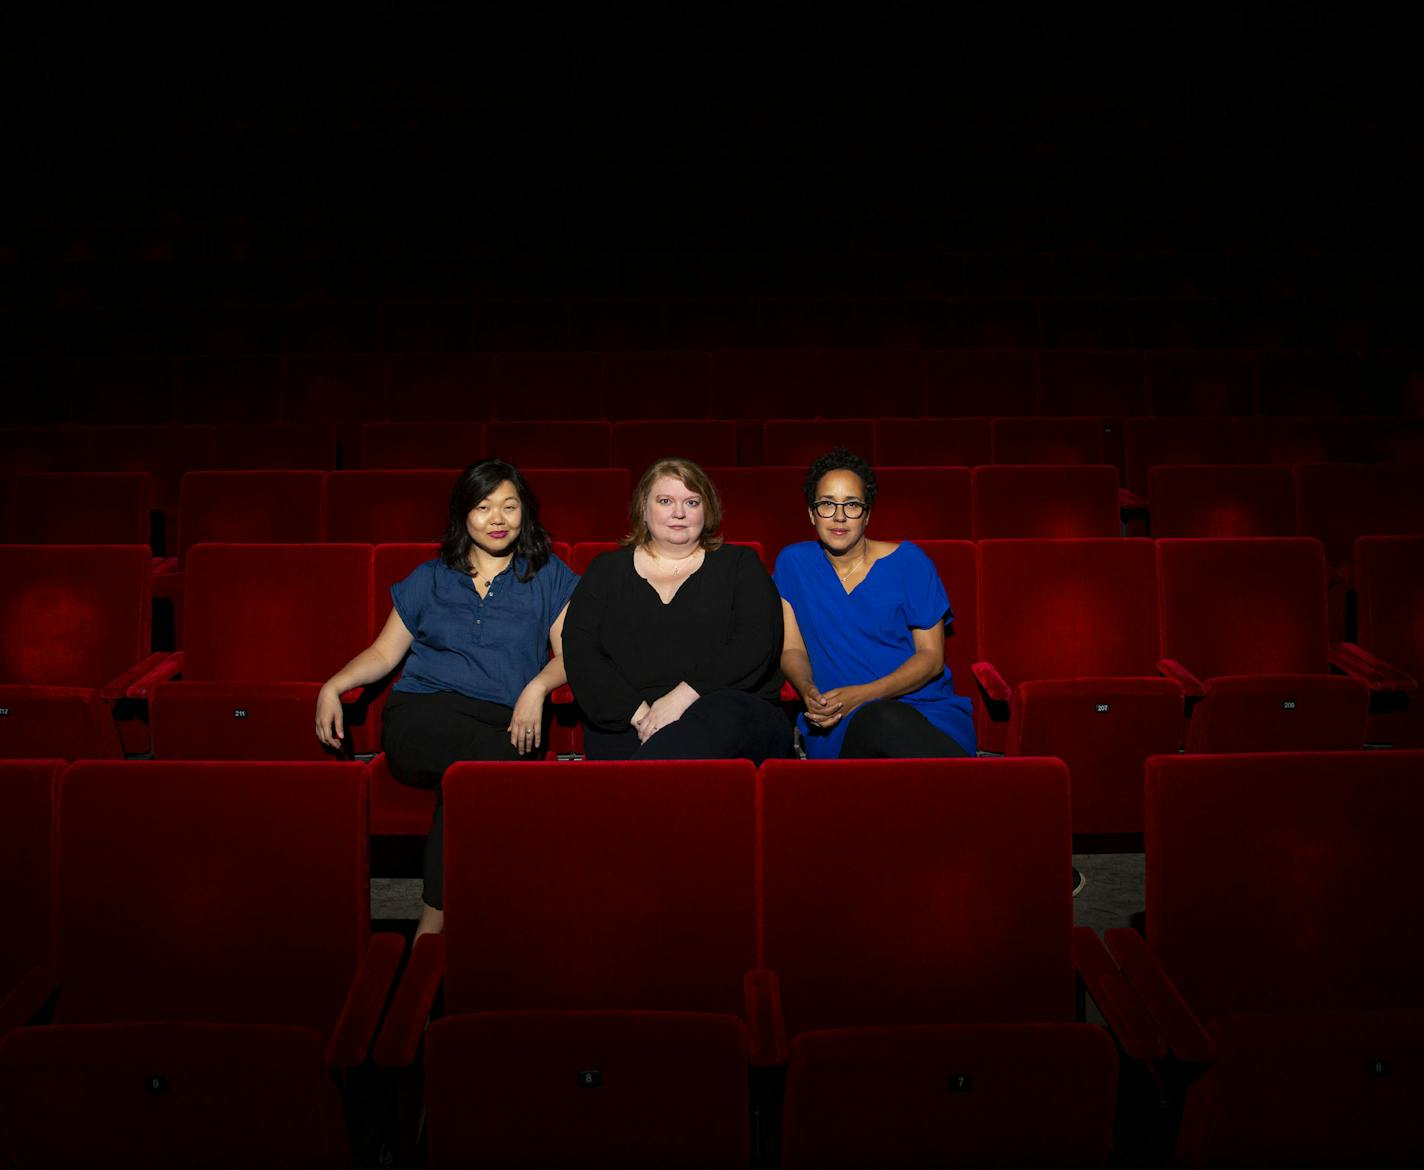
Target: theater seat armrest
1176 1023
992 681
353 695
119 688
1375 673
1192 686
562 696
24 1003
789 693
356 1027
164 565
765 1026
1129 501
1337 575
170 667
398 1045
1125 1015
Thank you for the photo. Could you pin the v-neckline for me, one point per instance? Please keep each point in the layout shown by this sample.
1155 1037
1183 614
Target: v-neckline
851 592
633 562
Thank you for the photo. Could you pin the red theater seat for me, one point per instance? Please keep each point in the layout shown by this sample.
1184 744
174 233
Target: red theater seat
789 442
166 452
1294 440
933 442
74 635
1248 617
379 507
598 978
920 503
1069 635
581 503
909 989
1058 502
249 507
707 442
59 448
276 447
1389 586
1282 958
184 1007
327 387
549 443
1106 382
1048 440
1340 502
763 504
987 383
422 386
1150 442
1202 382
1222 501
656 384
421 444
545 386
265 625
27 796
78 507
958 565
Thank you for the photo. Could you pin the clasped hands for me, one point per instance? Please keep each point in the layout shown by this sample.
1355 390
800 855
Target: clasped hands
824 709
649 720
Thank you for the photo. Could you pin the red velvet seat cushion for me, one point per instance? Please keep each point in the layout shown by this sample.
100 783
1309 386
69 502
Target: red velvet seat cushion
614 1089
972 1095
27 792
1059 502
1280 713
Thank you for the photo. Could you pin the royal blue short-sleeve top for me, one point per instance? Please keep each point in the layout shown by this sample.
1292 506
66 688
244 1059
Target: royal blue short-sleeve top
866 634
481 647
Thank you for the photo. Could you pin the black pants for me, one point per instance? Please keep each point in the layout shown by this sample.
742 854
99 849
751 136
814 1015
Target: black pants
422 736
722 725
891 730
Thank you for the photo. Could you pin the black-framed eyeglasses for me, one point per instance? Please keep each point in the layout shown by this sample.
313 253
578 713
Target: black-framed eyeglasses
853 509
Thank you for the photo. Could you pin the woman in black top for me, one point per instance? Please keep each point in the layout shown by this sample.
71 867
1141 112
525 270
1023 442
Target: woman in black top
672 642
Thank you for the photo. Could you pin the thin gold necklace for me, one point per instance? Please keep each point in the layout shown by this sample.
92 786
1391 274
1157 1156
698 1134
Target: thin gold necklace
849 573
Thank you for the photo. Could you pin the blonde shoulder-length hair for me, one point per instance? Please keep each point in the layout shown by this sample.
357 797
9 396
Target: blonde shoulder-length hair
695 480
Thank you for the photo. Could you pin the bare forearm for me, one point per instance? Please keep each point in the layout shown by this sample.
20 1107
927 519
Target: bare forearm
796 666
367 667
910 675
552 677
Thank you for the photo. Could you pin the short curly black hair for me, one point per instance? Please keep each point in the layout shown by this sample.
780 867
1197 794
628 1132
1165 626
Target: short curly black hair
841 459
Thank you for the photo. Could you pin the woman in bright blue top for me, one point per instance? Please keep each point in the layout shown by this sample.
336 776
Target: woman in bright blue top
864 631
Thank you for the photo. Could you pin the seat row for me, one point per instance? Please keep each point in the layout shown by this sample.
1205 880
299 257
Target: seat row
1098 651
630 950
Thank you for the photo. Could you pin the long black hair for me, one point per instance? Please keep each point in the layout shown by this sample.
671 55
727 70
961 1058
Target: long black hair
476 483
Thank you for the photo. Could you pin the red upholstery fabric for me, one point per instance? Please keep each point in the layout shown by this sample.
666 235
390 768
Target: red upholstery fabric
972 1095
1048 440
958 565
1204 382
320 387
1151 442
1244 606
933 442
558 897
1284 901
1058 502
431 384
874 911
509 1089
82 508
1295 380
581 503
254 719
167 874
1294 440
586 550
267 507
39 449
229 388
71 722
656 384
764 504
1287 882
165 452
170 1095
921 503
27 793
275 612
637 443
1308 1091
795 442
377 507
556 443
421 444
1211 500
1279 713
397 810
1342 502
965 383
1389 585
276 447
1073 627
1091 382
566 385
763 384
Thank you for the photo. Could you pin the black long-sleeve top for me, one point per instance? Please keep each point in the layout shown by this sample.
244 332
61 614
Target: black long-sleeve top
623 646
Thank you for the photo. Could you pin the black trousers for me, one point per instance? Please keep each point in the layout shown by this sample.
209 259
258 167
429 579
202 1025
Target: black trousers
721 725
890 730
422 736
